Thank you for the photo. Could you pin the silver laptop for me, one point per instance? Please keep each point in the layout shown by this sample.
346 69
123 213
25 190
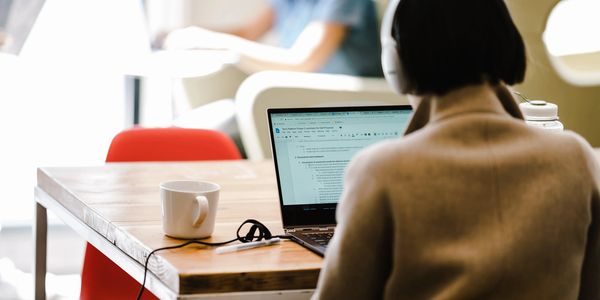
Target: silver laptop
311 149
17 18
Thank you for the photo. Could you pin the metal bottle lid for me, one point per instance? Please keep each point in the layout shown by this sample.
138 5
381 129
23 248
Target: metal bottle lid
539 110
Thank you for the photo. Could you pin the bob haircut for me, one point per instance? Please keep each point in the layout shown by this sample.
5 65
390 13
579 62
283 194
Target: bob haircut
448 44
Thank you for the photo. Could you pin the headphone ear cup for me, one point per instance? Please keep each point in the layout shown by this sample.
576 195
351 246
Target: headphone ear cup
392 70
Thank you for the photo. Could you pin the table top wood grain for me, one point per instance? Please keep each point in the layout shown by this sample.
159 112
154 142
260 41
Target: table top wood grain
121 202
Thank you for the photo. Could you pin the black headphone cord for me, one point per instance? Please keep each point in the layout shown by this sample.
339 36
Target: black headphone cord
258 231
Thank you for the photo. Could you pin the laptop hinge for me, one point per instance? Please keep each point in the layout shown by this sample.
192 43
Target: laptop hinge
306 228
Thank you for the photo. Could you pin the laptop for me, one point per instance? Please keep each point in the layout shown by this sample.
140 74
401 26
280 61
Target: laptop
311 149
17 18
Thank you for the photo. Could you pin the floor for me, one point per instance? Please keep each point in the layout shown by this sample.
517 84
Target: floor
65 256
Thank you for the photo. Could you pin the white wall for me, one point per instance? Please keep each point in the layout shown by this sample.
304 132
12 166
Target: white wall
215 14
63 99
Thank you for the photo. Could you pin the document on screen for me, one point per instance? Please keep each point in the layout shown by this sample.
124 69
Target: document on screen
314 148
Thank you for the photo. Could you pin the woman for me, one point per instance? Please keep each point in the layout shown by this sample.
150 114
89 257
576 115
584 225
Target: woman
471 203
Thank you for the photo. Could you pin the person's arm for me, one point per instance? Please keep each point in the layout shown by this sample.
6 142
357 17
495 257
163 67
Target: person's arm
317 42
590 273
311 50
359 257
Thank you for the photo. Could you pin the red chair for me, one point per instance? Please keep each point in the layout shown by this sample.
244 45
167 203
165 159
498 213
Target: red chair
103 279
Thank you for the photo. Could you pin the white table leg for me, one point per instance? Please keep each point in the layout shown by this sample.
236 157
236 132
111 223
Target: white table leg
40 233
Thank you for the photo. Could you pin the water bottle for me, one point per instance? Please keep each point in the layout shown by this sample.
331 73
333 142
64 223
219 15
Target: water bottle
541 114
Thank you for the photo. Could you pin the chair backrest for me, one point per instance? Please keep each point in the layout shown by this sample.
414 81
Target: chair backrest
579 106
278 89
171 144
100 277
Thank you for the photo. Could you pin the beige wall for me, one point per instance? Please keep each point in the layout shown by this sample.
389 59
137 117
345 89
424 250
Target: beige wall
579 107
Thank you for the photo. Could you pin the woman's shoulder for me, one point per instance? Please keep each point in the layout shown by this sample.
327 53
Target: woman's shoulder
385 154
563 143
566 150
588 153
575 138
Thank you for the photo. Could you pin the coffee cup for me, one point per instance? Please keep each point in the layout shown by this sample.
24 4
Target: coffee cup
189 208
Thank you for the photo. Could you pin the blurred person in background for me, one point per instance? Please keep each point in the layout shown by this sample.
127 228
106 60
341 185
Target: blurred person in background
327 36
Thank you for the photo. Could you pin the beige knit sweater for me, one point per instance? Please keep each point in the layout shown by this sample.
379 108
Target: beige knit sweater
470 204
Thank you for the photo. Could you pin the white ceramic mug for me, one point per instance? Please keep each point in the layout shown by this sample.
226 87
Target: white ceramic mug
189 208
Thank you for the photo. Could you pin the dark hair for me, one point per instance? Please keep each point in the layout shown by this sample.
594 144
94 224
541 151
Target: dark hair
447 44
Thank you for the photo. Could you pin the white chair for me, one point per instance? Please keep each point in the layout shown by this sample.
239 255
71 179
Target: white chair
278 89
571 82
194 92
275 89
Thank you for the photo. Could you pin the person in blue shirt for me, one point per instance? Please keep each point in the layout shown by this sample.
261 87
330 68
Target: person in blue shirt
328 36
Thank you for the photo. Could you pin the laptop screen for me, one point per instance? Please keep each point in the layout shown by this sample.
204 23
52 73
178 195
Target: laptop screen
312 147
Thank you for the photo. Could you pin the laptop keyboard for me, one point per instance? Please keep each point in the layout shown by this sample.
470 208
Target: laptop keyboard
320 238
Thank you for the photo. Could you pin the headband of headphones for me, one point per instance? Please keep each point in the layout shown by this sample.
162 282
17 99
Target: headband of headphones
392 69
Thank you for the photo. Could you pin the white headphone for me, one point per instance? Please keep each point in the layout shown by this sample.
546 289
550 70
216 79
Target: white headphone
392 70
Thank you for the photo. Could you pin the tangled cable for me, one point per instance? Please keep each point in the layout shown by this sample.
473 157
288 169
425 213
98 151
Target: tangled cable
257 232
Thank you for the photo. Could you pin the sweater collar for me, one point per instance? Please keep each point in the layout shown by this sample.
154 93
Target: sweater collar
471 99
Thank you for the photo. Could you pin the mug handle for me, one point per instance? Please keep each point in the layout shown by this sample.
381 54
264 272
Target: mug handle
203 210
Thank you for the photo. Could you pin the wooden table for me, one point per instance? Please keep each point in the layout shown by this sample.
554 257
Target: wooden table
116 207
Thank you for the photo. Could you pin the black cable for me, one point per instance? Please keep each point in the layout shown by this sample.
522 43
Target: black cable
263 233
